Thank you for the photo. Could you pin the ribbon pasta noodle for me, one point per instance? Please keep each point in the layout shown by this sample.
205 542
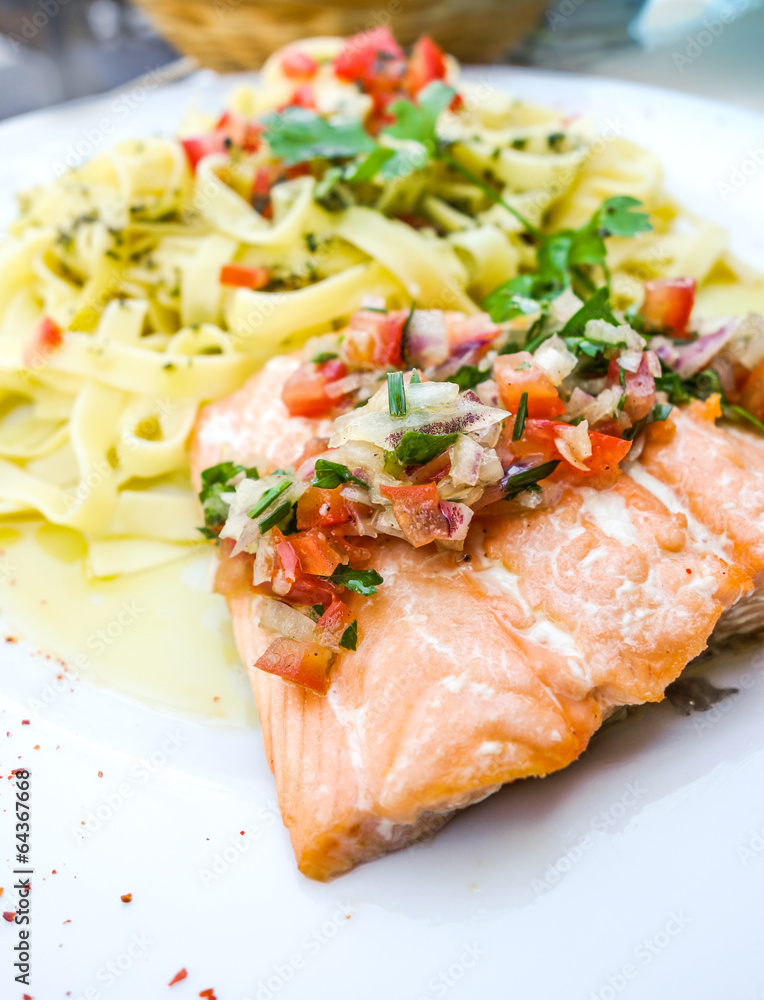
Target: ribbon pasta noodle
124 255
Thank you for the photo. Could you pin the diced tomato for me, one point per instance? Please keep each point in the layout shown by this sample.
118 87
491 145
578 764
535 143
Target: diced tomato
245 134
426 63
233 576
539 438
199 146
312 590
356 555
518 373
303 663
382 346
244 276
334 621
296 170
286 561
466 330
603 468
304 392
260 196
668 304
752 397
303 97
43 343
318 508
296 65
315 553
366 57
417 510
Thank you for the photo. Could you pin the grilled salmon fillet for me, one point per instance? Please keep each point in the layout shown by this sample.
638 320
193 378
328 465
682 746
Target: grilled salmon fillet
473 669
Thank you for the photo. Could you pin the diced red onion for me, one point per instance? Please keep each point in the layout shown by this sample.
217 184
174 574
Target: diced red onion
458 516
699 353
426 338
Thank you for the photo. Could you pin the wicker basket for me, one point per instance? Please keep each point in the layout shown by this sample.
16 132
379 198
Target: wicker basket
240 34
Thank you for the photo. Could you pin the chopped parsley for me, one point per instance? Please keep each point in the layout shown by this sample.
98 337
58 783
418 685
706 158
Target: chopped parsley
214 484
362 581
469 376
416 448
298 134
349 639
330 475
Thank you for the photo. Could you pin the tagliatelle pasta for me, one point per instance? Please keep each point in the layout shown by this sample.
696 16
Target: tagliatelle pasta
123 257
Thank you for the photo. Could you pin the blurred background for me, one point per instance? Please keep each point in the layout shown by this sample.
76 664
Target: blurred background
55 50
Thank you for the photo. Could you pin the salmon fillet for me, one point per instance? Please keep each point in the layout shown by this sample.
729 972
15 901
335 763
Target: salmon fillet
714 476
474 669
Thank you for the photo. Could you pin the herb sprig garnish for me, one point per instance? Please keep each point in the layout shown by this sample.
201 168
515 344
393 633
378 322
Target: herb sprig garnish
564 260
215 482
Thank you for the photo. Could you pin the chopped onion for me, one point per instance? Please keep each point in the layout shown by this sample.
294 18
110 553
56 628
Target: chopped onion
458 516
565 306
554 359
593 408
488 392
287 621
604 333
574 443
466 456
426 338
265 564
699 353
747 346
653 364
578 403
432 408
630 360
491 469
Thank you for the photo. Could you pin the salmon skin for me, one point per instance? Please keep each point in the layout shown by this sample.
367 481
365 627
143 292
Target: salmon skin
472 669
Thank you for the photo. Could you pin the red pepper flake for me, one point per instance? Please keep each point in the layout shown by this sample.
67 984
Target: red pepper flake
26 996
100 774
216 697
689 570
53 871
1 890
36 746
67 921
127 898
11 638
241 832
25 722
177 977
9 915
210 994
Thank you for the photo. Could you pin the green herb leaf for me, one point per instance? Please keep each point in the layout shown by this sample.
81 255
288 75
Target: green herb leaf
616 218
522 412
324 356
362 581
522 480
416 448
268 497
279 514
469 376
330 475
396 394
221 473
367 169
298 134
597 307
349 638
208 532
514 298
661 411
318 610
417 122
415 378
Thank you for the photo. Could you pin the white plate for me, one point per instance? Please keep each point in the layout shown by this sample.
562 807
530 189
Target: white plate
640 870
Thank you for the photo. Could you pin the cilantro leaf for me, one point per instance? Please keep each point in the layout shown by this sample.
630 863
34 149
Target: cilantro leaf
349 639
215 481
616 218
221 473
597 307
330 475
417 122
469 376
515 297
298 134
362 581
416 448
368 168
